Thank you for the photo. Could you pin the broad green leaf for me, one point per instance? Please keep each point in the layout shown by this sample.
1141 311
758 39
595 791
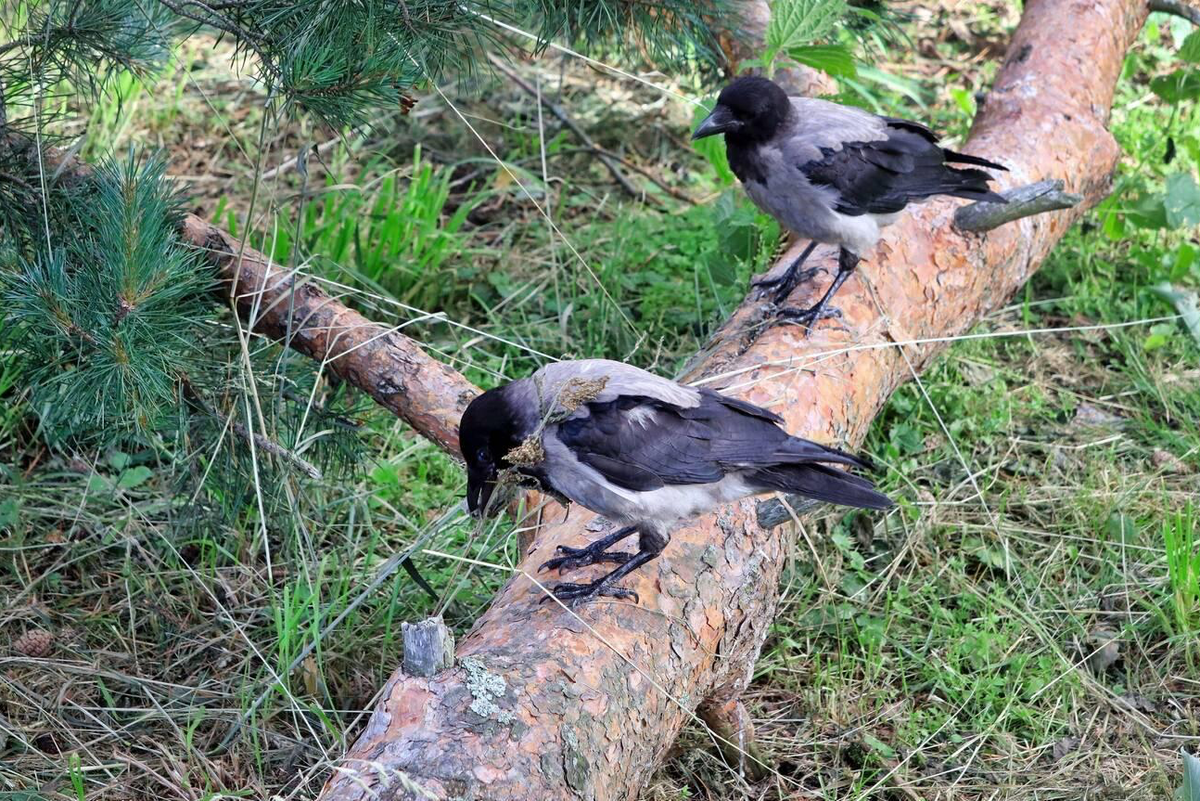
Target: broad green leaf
1191 778
963 99
1187 303
8 513
1182 201
736 237
834 59
1190 50
134 476
1185 257
879 746
798 22
906 438
1178 86
1160 335
1148 211
896 83
1114 226
1120 528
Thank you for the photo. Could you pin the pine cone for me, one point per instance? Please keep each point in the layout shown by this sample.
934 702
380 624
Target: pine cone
34 643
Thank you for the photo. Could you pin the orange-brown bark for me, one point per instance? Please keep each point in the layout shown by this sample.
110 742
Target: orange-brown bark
590 705
384 363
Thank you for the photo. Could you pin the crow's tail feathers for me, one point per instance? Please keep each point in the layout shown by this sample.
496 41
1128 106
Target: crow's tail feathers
963 158
803 467
970 184
822 483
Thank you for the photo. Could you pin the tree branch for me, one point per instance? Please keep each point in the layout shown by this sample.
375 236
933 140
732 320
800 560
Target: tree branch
382 362
1023 201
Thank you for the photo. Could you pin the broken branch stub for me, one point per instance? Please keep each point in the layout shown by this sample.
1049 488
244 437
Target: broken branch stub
1023 201
550 704
428 647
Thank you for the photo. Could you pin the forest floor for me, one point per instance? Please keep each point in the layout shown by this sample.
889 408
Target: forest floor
1036 641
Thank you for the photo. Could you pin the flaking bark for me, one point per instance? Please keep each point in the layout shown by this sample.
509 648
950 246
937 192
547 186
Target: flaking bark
586 709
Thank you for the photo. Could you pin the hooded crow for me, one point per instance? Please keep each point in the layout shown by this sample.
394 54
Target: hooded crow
641 451
832 173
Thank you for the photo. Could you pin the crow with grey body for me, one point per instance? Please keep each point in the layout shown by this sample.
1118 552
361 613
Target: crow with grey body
642 451
832 174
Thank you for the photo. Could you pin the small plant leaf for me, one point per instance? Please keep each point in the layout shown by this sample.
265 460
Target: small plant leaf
1191 778
1182 201
834 59
1180 85
134 477
1190 50
1185 257
879 746
1148 211
1187 303
795 23
1120 528
712 147
8 513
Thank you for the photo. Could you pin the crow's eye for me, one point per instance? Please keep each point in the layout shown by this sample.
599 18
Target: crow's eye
482 456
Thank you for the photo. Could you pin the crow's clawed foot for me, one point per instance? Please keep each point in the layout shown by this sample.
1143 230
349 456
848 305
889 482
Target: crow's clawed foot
784 284
808 317
573 594
573 558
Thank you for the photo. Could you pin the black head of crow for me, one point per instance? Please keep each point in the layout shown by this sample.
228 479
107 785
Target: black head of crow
833 174
642 451
749 110
487 433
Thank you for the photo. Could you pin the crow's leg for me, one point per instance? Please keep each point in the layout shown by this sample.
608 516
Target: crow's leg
847 261
596 552
792 276
650 545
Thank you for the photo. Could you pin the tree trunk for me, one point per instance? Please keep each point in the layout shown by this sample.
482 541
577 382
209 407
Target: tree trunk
549 705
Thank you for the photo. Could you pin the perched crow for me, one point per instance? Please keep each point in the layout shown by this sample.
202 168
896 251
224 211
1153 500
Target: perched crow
832 173
642 451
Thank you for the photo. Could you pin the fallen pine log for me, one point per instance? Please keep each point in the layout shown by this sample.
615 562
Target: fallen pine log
547 704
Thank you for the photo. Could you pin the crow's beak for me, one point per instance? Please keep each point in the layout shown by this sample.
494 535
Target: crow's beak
720 121
480 486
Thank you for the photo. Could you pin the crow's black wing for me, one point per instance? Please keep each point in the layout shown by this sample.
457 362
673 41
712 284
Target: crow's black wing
641 443
885 175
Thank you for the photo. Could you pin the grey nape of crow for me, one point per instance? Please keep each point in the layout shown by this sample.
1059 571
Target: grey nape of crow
641 451
832 174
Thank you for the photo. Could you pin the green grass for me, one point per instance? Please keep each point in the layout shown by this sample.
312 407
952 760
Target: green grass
946 650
